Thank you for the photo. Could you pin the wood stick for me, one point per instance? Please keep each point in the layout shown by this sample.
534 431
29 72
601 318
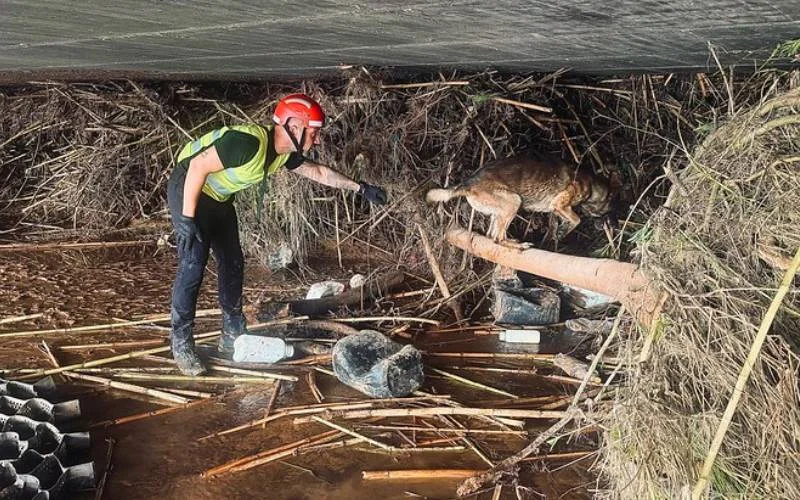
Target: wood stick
418 474
143 415
559 456
205 337
98 494
185 392
446 410
744 375
26 317
421 85
472 383
416 428
317 408
436 270
352 433
252 373
113 345
271 403
270 455
525 105
174 398
27 247
106 326
491 355
187 378
388 318
312 385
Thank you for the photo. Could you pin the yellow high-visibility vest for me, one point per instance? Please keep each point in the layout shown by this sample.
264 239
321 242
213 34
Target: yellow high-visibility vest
221 185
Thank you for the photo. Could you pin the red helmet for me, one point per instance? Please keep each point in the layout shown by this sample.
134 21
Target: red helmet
301 107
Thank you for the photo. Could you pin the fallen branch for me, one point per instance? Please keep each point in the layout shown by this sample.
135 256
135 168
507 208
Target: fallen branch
620 280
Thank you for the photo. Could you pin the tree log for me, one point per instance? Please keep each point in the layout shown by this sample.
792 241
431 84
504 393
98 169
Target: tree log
623 281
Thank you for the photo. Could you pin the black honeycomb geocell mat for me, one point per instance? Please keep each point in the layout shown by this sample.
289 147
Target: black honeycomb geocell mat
37 460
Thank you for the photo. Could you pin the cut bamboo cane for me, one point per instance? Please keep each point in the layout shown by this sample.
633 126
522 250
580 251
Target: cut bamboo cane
319 408
106 326
187 378
744 375
113 345
353 433
525 105
436 270
15 319
453 430
446 410
312 385
491 355
185 392
271 403
270 455
411 474
559 456
253 373
144 415
98 494
426 84
154 393
205 337
472 383
27 247
388 318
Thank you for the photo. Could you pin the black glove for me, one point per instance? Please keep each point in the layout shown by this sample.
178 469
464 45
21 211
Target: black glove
186 231
373 194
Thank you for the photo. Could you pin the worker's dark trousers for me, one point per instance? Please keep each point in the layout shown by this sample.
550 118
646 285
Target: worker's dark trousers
220 231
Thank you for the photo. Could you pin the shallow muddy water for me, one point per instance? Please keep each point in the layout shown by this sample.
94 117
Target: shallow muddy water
161 457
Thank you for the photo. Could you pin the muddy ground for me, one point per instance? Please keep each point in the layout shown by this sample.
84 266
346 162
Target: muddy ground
161 457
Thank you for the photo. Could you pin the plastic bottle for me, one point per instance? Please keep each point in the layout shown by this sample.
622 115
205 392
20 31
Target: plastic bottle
260 349
521 336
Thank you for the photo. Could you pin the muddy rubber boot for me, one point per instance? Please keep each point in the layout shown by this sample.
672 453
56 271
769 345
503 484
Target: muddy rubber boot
233 326
189 363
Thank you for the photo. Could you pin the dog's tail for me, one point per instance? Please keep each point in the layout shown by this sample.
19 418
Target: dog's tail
441 195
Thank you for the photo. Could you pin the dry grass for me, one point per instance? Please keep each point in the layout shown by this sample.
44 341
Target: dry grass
740 193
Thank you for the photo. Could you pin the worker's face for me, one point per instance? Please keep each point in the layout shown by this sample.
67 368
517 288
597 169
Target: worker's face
311 138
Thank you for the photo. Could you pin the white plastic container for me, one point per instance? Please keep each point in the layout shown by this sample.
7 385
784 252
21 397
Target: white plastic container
520 336
324 289
259 349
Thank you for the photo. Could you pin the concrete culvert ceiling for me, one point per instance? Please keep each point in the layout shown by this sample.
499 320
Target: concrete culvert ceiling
272 38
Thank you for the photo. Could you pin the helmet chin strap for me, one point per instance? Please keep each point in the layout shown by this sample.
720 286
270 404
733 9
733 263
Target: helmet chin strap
297 146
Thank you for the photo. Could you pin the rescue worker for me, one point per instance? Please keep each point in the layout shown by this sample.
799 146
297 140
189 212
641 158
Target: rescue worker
208 173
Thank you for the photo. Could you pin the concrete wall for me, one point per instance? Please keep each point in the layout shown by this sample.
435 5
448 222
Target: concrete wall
269 38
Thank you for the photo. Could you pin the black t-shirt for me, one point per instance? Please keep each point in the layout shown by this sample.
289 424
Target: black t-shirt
236 148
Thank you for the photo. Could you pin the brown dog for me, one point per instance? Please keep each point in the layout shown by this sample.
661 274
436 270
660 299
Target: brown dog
532 182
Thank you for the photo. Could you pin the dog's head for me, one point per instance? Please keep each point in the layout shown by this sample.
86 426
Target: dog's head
604 198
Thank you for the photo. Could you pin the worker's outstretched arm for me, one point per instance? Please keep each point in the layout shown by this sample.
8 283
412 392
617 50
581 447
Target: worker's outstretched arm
330 177
199 167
